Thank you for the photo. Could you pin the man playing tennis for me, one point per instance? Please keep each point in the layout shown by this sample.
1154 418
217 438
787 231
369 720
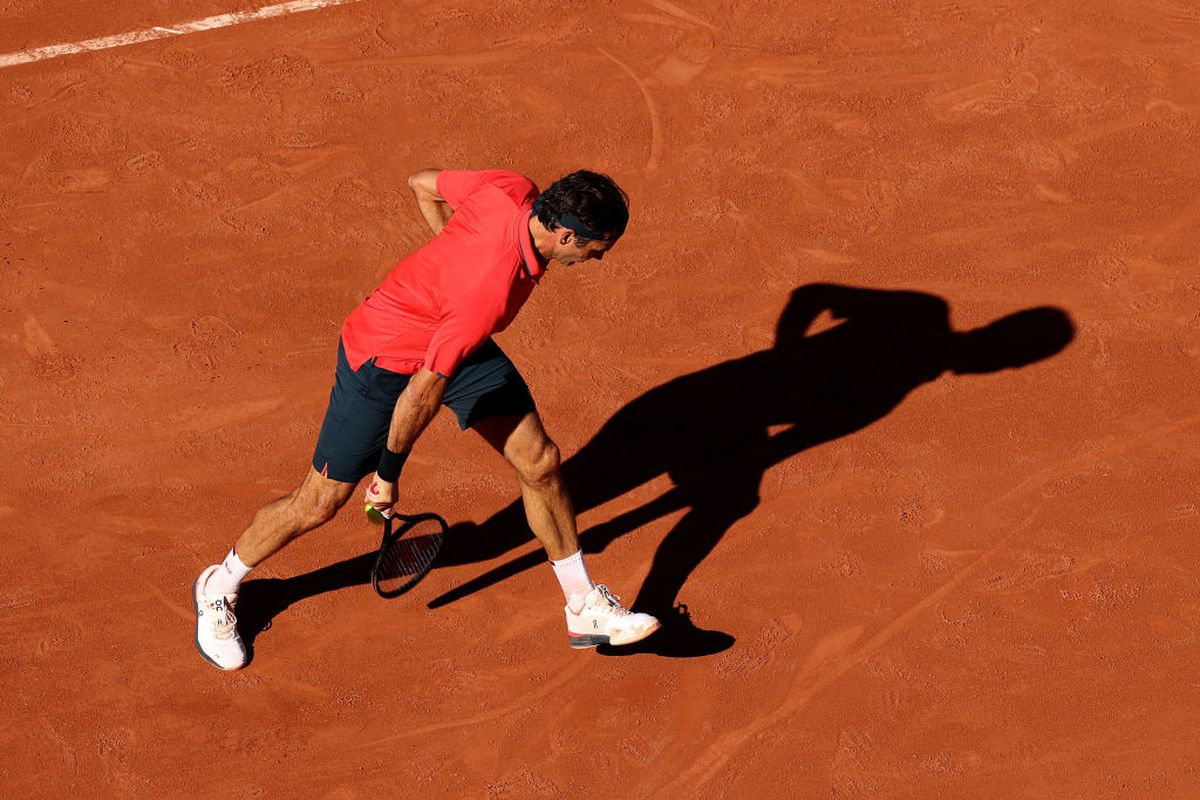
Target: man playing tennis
421 340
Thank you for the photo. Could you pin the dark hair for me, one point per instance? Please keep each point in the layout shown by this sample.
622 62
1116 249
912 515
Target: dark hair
585 202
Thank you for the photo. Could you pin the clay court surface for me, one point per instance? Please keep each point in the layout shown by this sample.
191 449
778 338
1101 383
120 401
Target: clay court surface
912 569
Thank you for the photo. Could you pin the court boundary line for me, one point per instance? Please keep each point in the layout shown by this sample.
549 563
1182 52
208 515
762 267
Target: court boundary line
165 31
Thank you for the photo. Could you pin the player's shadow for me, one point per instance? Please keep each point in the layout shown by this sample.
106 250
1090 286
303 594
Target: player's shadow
260 600
710 431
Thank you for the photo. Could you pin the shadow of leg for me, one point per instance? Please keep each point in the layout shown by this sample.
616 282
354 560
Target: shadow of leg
591 541
688 543
262 599
469 543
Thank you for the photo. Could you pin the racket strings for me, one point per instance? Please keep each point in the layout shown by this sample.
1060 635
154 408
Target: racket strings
407 556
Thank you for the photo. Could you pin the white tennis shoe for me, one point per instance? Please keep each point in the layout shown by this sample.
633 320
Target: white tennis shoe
217 636
603 620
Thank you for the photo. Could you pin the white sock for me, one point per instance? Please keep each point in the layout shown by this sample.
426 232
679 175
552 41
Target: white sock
573 577
227 579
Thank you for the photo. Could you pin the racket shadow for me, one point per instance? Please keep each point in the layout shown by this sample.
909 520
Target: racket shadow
262 599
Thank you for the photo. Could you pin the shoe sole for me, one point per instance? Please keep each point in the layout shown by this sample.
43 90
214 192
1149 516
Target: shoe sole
585 640
199 649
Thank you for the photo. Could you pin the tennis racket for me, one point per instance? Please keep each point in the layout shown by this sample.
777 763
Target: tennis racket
409 547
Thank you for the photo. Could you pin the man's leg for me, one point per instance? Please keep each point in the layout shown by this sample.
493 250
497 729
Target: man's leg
525 445
352 434
593 614
310 505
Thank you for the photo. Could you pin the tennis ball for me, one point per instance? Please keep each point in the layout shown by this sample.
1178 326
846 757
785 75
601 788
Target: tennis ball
374 515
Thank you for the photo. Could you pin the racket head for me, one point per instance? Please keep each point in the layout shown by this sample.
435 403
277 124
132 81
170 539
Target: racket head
411 544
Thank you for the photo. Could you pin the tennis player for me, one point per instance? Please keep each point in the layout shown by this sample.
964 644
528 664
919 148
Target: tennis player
422 340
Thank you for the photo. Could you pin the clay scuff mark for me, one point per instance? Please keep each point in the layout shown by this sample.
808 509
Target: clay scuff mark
656 138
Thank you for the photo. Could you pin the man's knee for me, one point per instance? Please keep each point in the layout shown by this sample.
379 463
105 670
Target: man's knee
315 513
314 505
537 462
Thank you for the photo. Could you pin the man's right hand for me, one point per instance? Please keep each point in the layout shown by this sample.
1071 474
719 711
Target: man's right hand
381 495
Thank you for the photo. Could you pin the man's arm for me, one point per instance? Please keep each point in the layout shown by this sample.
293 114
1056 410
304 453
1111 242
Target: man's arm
415 408
434 207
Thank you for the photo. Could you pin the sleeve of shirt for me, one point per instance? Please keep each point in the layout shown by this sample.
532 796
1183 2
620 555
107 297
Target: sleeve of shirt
463 328
456 185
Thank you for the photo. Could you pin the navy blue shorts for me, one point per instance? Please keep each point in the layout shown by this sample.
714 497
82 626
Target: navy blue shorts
360 409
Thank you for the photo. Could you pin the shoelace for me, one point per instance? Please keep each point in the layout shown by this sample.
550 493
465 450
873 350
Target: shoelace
614 602
224 624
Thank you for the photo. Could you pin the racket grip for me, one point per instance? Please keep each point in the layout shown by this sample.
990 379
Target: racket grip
377 516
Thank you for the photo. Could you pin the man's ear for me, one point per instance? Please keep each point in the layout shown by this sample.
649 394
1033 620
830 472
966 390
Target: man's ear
565 237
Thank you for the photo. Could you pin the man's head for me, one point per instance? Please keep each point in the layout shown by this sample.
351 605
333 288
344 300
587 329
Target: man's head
586 212
1016 340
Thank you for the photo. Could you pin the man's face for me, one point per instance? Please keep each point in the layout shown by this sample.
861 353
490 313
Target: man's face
569 251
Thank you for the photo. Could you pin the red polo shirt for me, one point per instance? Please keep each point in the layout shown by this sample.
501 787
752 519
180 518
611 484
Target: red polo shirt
443 301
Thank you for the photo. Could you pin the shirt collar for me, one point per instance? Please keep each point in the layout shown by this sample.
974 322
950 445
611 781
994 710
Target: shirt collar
531 261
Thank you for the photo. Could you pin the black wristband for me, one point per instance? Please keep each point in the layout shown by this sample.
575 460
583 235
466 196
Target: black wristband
390 464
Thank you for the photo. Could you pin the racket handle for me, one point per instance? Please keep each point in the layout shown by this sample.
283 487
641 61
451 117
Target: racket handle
377 516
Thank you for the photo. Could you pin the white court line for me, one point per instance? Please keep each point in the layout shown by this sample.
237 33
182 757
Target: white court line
150 34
